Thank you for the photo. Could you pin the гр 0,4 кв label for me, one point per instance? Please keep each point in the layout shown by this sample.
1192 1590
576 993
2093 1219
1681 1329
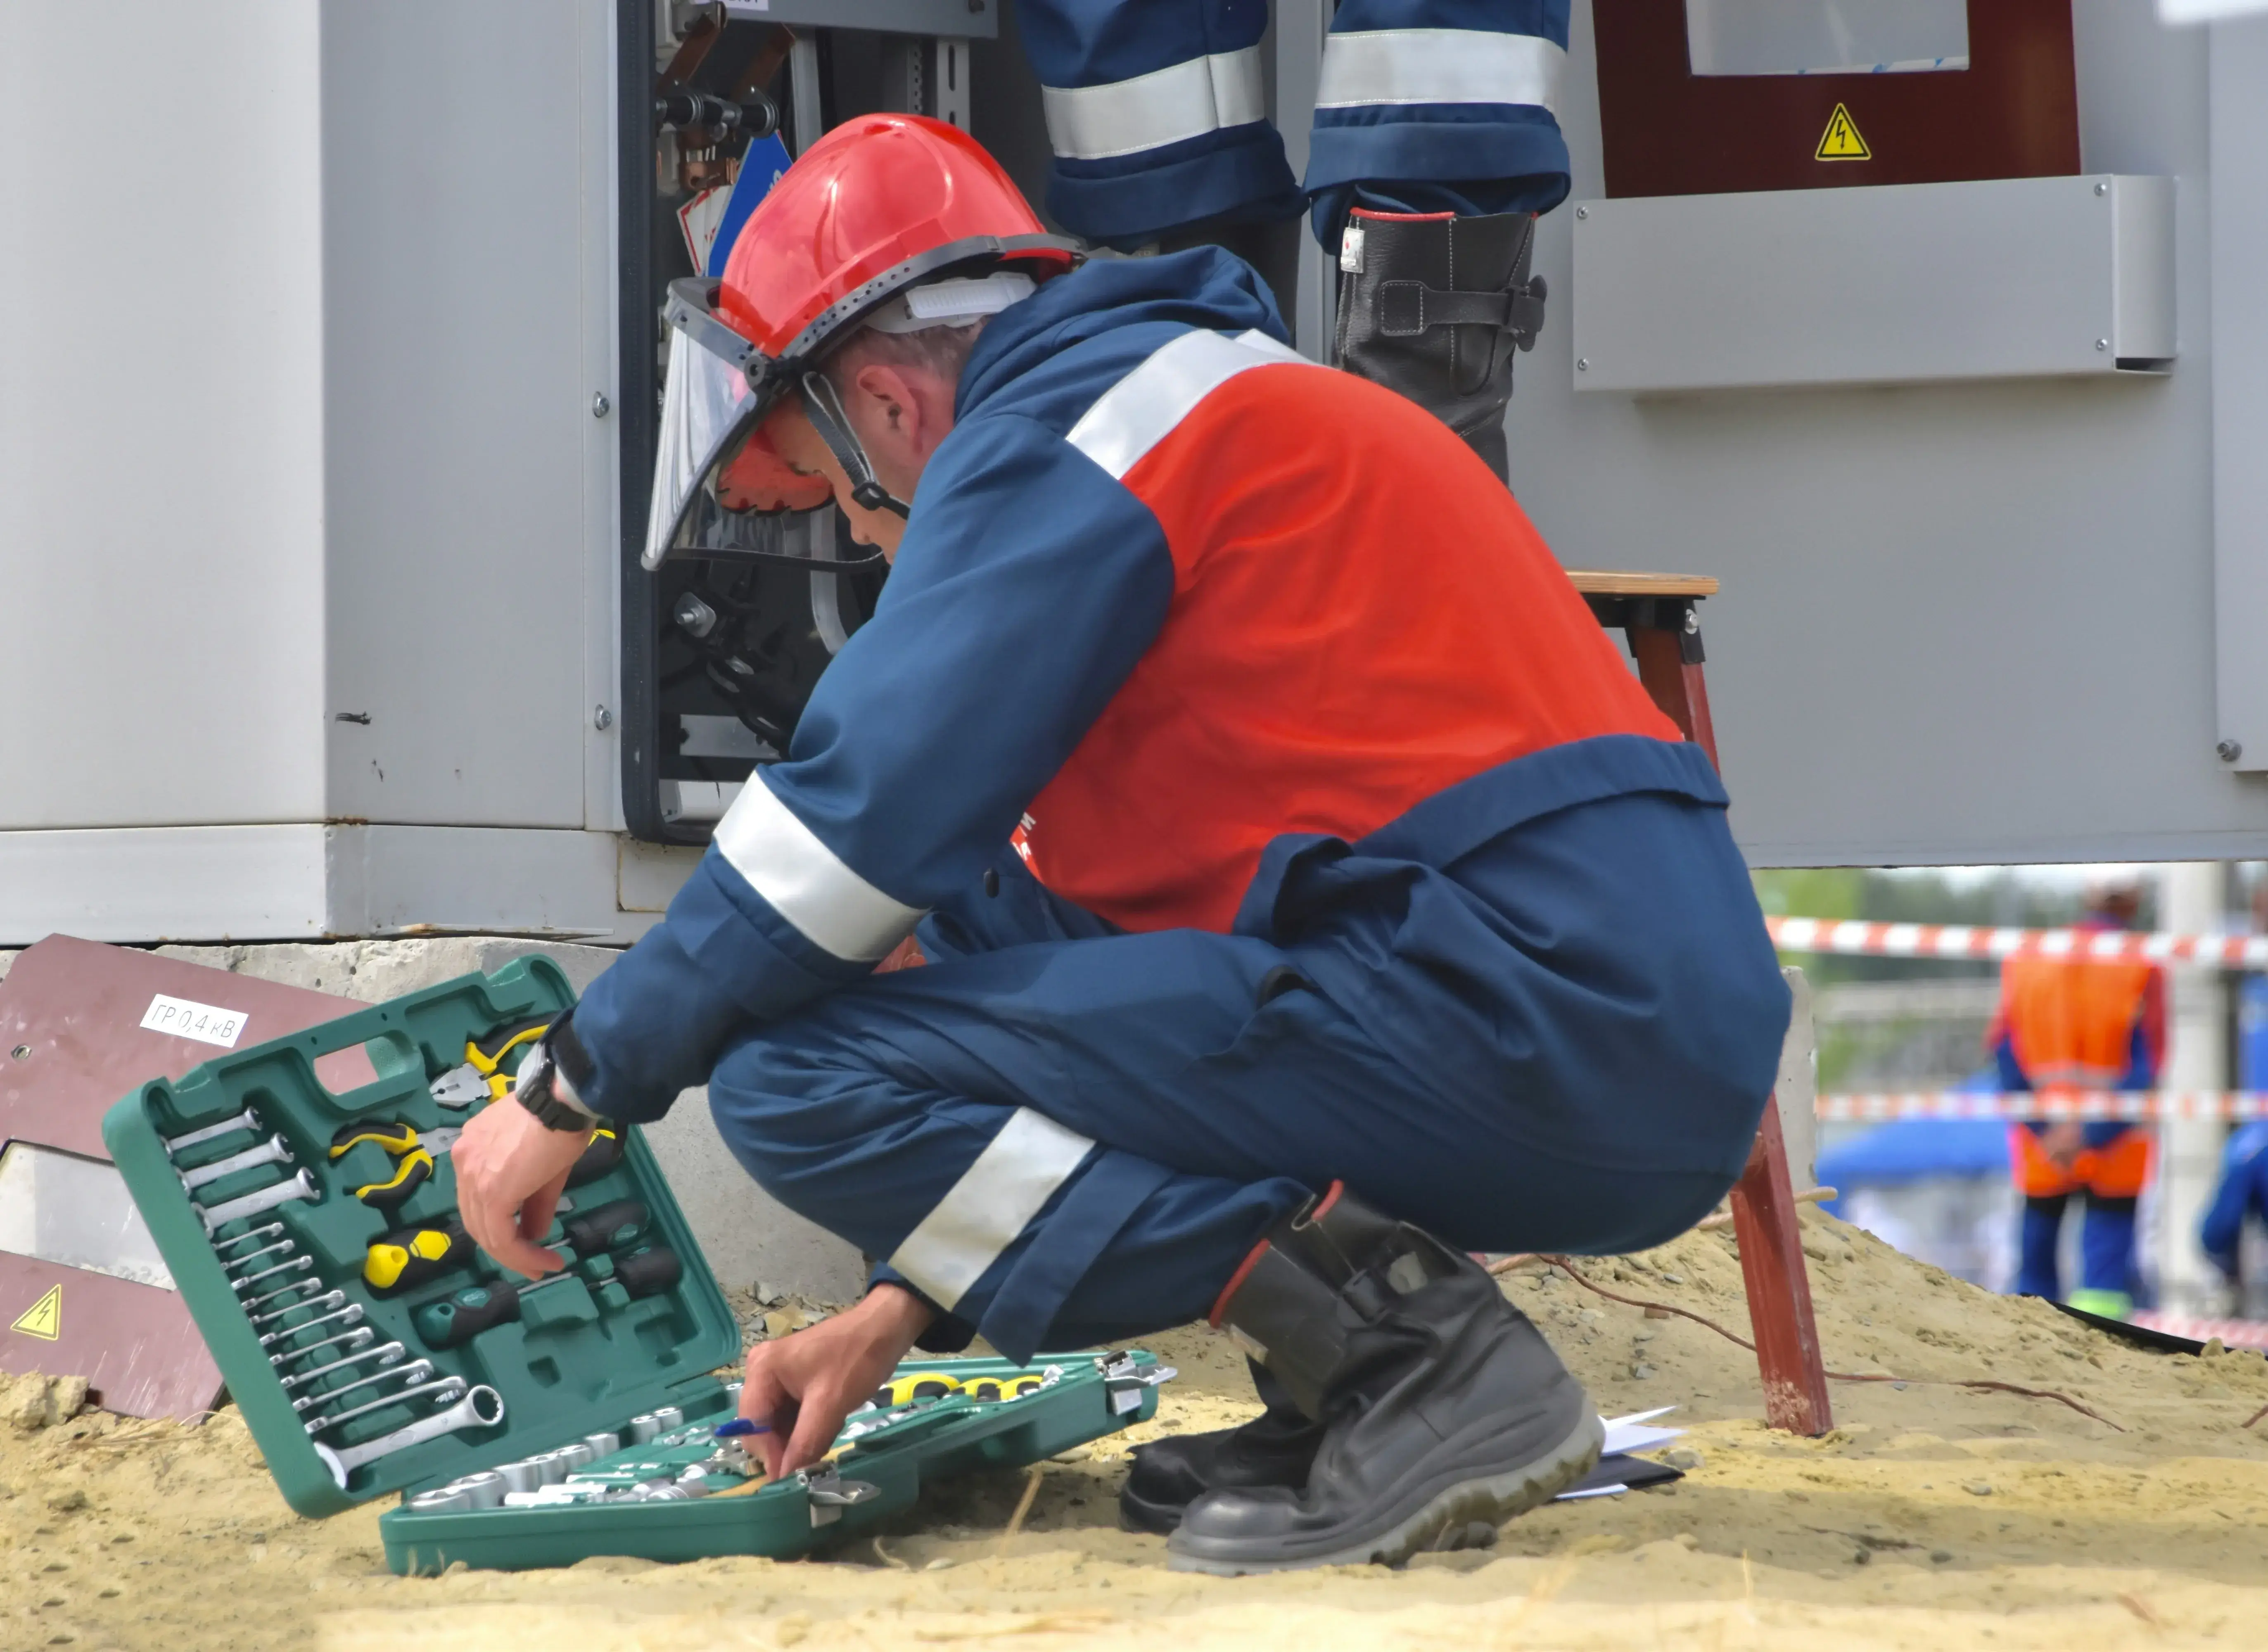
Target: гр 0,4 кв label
182 1019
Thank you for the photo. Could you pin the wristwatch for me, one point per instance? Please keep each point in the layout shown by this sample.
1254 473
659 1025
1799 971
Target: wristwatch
534 1090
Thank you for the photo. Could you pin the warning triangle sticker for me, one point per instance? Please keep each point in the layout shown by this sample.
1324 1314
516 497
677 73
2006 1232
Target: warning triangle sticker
44 1319
1841 140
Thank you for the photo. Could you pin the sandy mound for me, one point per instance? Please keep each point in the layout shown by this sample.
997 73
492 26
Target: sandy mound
1934 1516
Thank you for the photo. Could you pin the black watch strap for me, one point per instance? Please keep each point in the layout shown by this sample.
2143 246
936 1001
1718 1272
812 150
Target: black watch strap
532 1089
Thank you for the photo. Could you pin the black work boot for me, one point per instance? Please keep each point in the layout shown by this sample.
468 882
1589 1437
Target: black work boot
1274 1448
1445 1412
1434 307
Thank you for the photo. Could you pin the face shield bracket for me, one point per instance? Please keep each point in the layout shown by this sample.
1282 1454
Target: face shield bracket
824 409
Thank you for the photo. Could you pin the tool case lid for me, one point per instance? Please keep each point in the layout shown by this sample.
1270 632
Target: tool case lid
594 1357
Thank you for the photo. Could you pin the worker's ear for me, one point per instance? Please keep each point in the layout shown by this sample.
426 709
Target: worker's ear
892 405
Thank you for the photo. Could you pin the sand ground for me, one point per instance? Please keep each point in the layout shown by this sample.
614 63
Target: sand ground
1934 1518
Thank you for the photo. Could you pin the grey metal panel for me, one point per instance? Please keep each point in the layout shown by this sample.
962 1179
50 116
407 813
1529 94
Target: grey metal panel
161 639
1959 624
977 19
1299 27
2010 277
457 409
2240 384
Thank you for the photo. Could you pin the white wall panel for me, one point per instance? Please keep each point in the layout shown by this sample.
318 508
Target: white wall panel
161 420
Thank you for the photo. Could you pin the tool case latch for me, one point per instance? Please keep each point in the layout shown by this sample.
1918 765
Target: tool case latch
1124 1380
831 1494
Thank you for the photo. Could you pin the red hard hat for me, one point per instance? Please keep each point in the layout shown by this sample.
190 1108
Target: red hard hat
879 204
875 204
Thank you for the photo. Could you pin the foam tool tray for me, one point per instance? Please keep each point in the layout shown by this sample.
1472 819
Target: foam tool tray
668 1487
373 1349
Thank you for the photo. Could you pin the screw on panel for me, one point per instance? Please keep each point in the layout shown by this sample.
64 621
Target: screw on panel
2102 343
1692 622
599 406
2102 188
2230 751
1582 364
602 719
21 1052
1582 212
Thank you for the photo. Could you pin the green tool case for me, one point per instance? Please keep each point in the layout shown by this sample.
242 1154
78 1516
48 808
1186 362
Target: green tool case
373 1349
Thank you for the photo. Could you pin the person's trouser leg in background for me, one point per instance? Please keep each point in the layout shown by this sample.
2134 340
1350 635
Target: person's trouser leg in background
2037 1272
1157 113
1434 148
2106 1252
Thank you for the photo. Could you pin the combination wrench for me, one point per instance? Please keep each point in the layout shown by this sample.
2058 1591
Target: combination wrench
415 1371
385 1353
300 1186
481 1408
274 1150
359 1336
324 1303
298 1264
246 1120
449 1387
352 1315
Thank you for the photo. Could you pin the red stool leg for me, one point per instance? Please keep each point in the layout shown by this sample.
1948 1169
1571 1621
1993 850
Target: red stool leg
1778 1289
1670 664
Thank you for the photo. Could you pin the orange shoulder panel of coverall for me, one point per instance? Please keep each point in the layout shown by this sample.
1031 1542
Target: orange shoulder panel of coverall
2072 1025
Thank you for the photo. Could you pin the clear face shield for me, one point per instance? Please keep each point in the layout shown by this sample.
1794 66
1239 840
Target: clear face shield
721 490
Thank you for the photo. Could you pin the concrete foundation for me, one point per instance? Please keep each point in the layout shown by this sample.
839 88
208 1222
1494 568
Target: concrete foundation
748 1236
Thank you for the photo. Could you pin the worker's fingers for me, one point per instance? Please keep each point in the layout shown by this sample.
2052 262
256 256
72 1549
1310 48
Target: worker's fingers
818 1418
764 1398
510 1168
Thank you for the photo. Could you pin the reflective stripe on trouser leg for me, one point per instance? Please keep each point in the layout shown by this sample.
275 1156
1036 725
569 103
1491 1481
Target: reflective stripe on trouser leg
989 1208
1167 106
1396 66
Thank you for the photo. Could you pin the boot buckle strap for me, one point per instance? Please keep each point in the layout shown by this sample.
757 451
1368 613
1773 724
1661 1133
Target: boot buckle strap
1407 308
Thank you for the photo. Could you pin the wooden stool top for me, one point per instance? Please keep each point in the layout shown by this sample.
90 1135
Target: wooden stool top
1609 582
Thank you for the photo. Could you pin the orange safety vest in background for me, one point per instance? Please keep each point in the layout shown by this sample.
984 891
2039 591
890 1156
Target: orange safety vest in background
2071 1025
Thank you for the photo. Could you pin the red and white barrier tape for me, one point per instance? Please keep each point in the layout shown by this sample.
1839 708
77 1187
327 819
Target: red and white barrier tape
2233 1333
2014 1104
1857 939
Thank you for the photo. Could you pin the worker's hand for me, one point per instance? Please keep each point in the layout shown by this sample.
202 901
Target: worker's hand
511 1169
2064 1141
802 1386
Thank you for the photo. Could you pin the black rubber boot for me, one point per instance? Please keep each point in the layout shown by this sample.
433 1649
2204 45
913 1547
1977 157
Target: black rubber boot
1445 1412
1435 307
1274 1448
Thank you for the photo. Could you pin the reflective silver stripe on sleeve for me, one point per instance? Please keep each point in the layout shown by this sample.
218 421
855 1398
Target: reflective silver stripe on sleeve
783 860
995 1199
1440 66
1183 101
1141 409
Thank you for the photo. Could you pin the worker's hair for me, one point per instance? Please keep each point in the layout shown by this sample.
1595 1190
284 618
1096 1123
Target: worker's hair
943 351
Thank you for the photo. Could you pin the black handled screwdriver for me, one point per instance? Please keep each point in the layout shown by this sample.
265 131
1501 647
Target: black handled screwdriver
447 1325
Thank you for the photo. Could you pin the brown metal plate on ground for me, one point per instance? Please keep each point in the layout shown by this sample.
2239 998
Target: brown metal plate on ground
82 1024
2012 112
136 1344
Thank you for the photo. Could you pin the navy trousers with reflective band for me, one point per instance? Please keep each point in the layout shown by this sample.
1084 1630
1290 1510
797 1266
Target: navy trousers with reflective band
1065 1135
1157 113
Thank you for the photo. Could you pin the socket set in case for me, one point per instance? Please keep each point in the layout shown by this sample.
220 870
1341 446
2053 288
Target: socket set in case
373 1350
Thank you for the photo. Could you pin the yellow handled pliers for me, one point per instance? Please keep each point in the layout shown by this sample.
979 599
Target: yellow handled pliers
481 1077
414 1152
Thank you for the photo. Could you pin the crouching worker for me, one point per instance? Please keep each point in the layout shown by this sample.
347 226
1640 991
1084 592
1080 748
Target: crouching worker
1309 893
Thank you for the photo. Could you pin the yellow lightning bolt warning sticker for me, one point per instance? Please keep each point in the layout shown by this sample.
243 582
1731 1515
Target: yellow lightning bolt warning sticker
44 1319
1841 140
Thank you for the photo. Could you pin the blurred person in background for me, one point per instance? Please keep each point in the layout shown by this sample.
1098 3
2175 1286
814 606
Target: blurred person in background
2069 1025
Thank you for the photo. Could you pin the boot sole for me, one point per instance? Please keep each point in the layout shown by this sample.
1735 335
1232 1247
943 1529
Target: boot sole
1487 1500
